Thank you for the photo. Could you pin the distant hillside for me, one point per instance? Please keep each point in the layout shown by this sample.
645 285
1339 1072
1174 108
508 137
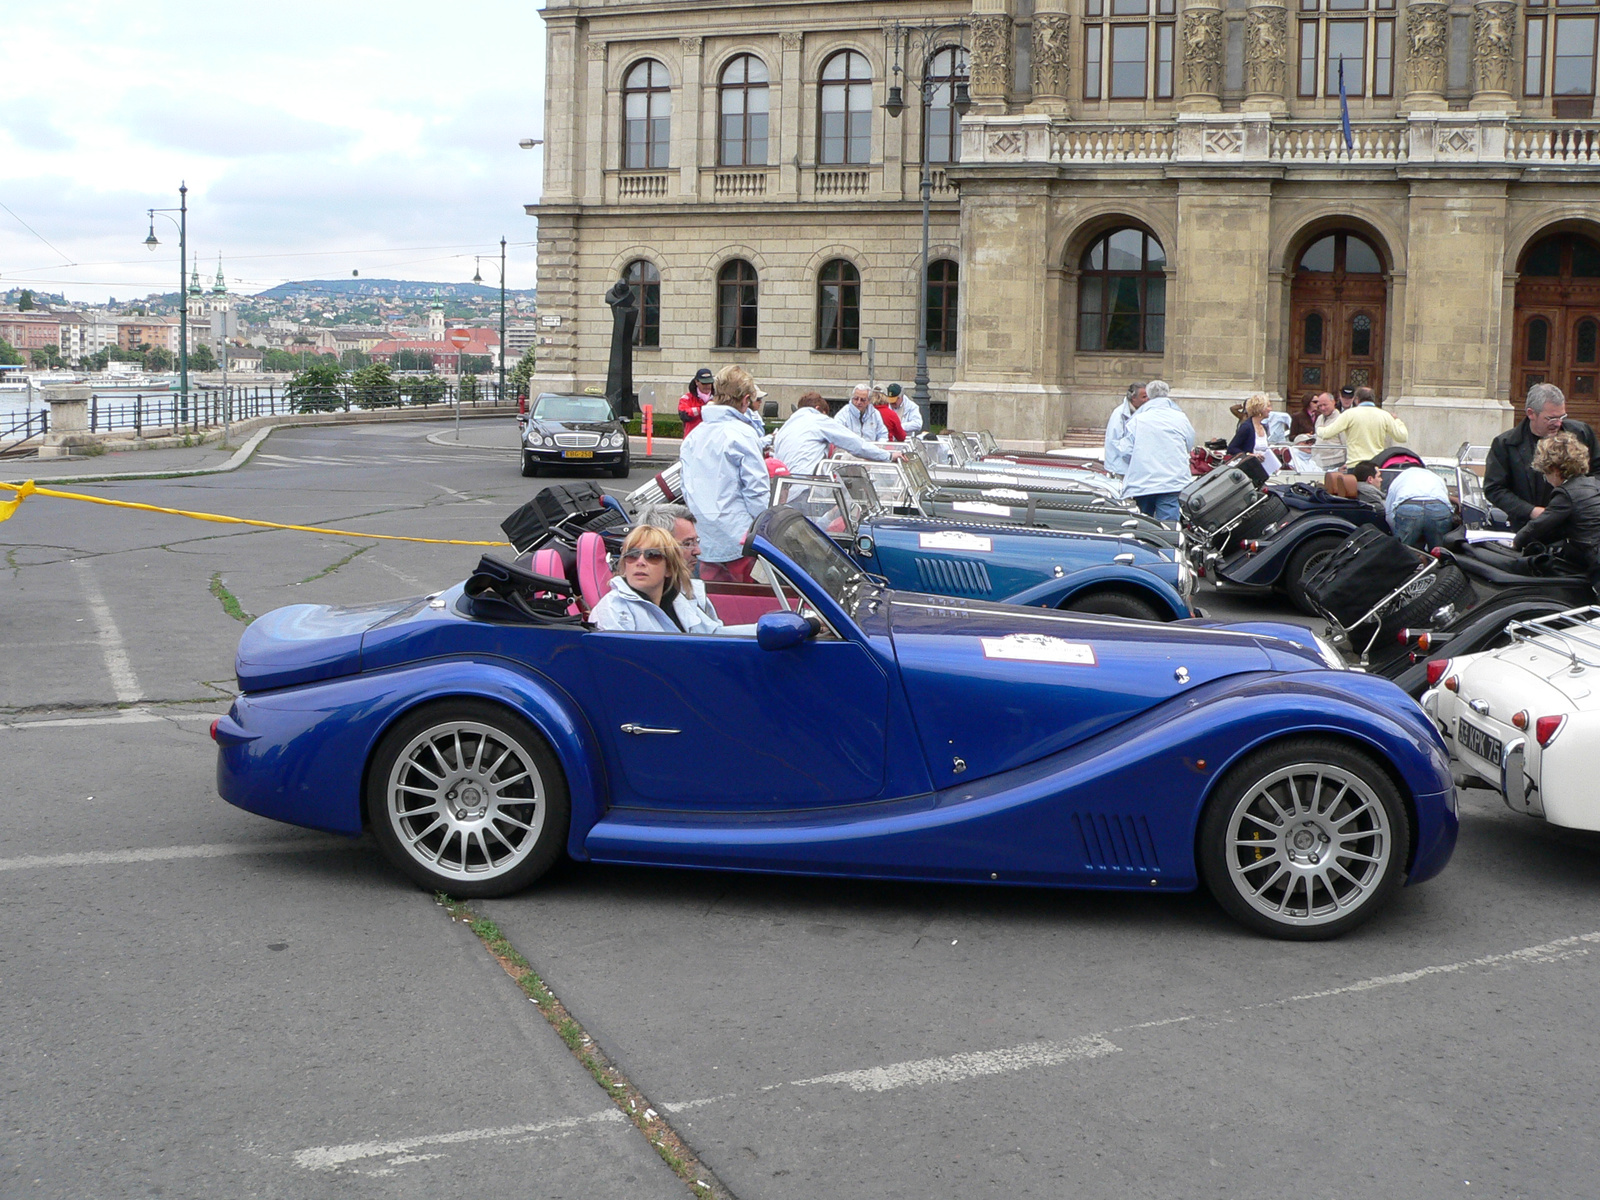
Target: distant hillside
404 288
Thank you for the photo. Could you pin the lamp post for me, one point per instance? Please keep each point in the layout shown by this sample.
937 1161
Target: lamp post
924 41
182 222
477 277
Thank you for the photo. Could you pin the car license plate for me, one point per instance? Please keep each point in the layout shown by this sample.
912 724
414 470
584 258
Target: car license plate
577 454
1480 741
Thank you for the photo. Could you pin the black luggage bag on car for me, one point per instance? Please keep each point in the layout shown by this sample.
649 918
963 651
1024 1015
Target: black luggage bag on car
1363 570
1217 497
562 507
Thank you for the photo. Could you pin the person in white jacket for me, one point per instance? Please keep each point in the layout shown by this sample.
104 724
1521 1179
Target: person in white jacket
654 593
905 408
724 477
1157 441
859 417
1117 428
803 440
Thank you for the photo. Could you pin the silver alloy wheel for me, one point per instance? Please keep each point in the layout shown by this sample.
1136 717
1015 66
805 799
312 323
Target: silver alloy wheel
1308 844
466 800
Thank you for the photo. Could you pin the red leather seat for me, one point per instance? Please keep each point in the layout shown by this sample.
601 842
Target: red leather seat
548 562
594 569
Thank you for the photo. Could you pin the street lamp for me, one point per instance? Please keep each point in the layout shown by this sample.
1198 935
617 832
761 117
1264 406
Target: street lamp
477 277
923 40
182 222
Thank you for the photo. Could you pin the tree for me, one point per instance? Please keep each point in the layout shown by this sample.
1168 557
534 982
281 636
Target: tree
351 359
405 360
46 356
158 358
96 361
317 388
373 386
476 364
425 391
25 301
202 359
521 374
9 356
467 389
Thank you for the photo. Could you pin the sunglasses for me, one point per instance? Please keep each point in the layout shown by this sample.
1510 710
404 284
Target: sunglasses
653 556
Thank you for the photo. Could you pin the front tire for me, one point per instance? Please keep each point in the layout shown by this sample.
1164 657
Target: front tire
530 468
1304 840
466 798
1114 604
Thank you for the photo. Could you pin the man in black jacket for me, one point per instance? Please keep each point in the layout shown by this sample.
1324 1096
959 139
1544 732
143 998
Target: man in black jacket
1509 480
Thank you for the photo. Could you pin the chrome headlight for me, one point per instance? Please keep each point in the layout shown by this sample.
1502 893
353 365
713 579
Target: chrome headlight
1186 578
1330 656
548 440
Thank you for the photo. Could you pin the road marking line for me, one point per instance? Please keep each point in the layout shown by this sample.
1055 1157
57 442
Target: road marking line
133 716
123 681
958 1067
95 858
323 1158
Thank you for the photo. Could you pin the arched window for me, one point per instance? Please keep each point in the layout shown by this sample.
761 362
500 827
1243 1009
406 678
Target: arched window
942 296
1341 252
838 306
1122 294
844 126
736 306
644 281
647 115
946 68
742 134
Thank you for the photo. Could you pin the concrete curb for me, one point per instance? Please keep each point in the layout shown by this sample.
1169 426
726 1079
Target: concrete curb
239 458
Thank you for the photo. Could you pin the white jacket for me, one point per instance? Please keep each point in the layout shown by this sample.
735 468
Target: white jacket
1116 430
868 424
908 412
724 481
803 440
622 608
1157 442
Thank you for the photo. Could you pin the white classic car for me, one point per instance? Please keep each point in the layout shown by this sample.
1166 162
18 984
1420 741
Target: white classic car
1525 718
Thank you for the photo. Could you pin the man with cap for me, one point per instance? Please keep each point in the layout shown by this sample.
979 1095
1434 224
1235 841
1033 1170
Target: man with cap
905 408
701 389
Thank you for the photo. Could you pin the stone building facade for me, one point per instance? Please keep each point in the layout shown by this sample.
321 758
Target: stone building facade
1139 189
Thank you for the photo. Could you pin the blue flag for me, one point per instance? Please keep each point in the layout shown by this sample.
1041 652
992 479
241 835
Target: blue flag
1344 109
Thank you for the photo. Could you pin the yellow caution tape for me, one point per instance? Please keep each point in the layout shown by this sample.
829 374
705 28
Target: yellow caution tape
24 490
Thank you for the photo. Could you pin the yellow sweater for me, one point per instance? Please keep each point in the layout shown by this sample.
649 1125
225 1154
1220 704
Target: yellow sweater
1368 431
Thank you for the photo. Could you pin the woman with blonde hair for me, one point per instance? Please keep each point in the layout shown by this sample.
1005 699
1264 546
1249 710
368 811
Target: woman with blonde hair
1251 437
1573 512
652 592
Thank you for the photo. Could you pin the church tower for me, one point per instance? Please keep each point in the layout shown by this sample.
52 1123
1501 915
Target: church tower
436 322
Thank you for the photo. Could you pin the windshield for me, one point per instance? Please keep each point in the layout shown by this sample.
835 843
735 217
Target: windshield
815 553
573 408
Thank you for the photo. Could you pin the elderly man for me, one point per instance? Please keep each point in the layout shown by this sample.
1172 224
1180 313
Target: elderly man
677 520
1368 430
803 440
1509 480
1330 452
1117 428
859 417
905 408
725 476
1157 442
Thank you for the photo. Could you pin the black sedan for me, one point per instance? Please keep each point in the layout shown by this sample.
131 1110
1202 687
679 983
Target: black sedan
573 431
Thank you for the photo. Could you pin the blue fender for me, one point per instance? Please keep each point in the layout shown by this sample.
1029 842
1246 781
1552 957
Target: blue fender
1265 567
1052 593
313 734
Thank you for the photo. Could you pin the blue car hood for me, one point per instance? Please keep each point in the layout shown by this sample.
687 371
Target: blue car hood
994 687
303 643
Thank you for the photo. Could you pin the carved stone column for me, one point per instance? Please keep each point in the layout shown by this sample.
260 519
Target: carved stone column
1052 57
1494 32
1201 52
1266 56
686 120
990 60
1427 49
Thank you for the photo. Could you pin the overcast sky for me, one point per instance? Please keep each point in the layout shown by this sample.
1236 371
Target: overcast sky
316 139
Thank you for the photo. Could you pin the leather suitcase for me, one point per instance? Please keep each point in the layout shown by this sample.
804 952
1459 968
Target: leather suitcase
1363 570
1216 498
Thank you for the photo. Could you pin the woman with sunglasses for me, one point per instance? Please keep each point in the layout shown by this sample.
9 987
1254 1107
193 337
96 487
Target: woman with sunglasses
652 592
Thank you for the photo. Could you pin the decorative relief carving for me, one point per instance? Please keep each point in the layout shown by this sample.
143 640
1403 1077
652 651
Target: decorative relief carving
1052 54
1202 51
1427 44
1009 143
691 45
791 41
991 57
1223 142
1459 141
1266 47
1494 28
597 52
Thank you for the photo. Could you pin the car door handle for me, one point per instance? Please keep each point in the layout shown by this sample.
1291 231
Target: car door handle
642 729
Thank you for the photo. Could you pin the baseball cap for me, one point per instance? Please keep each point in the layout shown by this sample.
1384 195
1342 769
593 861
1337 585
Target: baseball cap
1347 392
704 375
892 390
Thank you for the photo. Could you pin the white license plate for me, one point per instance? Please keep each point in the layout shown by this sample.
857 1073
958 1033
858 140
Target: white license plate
1480 741
577 454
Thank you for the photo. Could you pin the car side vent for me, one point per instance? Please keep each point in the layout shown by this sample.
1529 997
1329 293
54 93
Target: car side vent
953 576
1112 842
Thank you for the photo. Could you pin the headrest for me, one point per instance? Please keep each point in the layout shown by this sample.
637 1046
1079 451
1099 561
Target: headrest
594 568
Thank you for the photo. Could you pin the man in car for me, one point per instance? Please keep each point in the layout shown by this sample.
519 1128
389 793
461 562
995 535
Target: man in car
1509 480
860 418
678 520
725 476
1329 450
804 439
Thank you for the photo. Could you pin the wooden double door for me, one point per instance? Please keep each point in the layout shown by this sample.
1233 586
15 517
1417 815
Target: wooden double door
1557 325
1337 316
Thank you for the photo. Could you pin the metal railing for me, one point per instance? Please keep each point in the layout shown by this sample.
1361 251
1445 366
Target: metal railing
17 435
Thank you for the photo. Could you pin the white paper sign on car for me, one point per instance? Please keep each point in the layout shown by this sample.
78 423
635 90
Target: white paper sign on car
955 539
1039 647
978 506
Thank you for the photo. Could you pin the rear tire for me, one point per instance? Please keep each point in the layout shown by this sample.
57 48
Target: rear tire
466 797
1114 604
1450 586
1270 512
1304 840
530 468
1306 559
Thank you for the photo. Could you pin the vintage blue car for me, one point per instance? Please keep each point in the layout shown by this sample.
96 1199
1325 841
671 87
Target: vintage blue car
482 733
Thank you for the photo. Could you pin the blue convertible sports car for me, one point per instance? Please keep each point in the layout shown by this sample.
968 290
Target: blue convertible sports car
863 732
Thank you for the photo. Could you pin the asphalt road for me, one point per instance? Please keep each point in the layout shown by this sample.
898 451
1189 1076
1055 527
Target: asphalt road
199 1002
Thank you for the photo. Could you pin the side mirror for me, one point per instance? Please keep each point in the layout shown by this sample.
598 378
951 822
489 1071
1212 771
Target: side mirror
865 545
1499 519
781 630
